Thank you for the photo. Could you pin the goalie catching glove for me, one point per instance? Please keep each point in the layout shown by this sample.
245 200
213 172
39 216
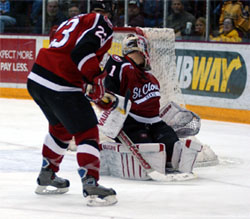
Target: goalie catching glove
96 93
108 102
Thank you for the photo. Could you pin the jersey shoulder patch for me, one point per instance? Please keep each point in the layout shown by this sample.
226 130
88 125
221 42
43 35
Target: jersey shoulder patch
117 58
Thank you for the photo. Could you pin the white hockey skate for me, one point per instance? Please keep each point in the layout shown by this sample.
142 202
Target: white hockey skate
49 183
96 194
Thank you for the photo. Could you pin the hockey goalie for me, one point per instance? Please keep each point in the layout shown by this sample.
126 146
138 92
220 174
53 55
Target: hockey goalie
154 134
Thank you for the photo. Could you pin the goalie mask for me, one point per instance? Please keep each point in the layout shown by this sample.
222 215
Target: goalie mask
139 43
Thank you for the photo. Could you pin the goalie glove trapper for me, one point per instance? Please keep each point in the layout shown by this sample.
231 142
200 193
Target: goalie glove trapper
108 103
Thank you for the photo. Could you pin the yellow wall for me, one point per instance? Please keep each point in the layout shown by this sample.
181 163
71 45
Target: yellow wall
221 114
18 93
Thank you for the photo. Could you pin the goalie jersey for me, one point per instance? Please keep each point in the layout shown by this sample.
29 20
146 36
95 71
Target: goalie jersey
123 74
77 48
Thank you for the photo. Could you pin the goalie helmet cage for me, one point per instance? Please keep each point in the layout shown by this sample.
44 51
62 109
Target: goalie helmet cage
163 63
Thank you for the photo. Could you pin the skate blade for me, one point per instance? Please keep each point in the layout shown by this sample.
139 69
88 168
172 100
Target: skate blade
173 177
94 201
50 190
184 176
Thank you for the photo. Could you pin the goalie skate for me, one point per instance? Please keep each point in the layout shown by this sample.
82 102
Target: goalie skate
49 183
97 195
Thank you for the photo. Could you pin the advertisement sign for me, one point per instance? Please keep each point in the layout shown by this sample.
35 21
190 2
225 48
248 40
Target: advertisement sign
16 59
214 74
211 73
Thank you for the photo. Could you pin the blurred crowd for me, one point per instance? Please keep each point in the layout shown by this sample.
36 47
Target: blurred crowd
229 21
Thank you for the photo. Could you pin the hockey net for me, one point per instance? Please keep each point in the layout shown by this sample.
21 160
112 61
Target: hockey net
163 64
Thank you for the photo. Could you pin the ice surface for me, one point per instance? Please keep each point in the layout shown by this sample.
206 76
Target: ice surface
220 192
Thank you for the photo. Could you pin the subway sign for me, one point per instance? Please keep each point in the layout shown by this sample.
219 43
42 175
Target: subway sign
211 73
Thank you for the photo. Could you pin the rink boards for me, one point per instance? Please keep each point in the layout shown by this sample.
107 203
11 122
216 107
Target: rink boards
214 77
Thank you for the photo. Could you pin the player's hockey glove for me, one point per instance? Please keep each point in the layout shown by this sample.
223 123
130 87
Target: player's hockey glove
97 90
96 93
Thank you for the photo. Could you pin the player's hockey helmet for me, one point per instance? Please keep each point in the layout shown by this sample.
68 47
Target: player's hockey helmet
135 42
102 5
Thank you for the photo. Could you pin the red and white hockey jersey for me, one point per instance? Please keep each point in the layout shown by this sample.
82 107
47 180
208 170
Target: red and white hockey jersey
75 52
123 74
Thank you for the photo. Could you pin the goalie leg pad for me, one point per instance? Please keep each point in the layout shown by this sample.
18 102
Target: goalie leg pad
118 161
184 155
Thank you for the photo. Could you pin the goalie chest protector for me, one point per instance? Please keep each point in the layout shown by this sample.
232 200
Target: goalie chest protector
123 74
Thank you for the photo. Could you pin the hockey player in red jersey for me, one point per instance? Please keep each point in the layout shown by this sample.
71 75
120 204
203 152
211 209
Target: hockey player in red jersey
143 124
57 83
